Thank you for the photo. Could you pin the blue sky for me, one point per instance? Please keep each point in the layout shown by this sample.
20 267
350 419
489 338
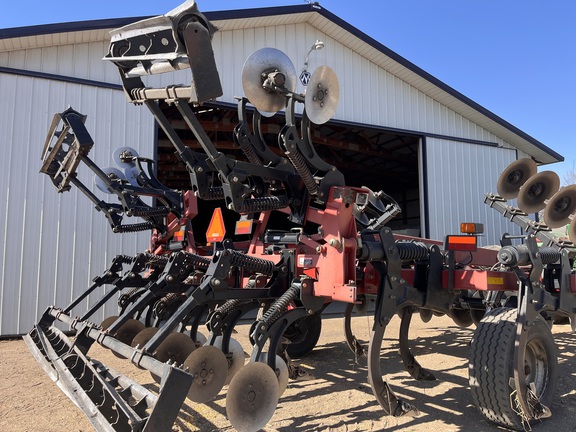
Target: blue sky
516 58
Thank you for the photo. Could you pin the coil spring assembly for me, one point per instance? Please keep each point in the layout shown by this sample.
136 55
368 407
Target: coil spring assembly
131 228
520 255
303 170
164 303
262 204
277 308
124 299
157 262
243 142
213 194
257 265
150 212
197 260
124 259
412 251
549 255
228 307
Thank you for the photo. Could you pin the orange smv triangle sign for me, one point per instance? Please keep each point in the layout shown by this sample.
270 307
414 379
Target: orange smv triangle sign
216 229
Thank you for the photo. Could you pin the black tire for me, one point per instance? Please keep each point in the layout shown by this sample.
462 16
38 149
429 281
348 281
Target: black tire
303 335
491 365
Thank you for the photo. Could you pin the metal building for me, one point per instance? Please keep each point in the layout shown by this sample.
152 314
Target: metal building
397 129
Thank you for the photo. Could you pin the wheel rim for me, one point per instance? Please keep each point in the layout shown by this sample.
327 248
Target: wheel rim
536 366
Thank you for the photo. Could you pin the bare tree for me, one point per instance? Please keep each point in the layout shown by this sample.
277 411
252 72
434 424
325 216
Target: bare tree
570 176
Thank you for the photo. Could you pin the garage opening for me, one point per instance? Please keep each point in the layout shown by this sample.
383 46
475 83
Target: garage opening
367 156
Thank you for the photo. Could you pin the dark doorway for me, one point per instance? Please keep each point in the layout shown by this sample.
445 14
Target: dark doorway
367 156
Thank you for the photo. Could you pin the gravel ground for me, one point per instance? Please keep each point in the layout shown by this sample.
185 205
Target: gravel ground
335 396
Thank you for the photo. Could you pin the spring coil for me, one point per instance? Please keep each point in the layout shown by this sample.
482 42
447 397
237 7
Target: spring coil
228 307
256 265
150 212
145 226
412 251
549 255
156 258
262 204
520 255
124 259
197 260
248 150
164 303
213 194
303 170
277 308
124 299
156 261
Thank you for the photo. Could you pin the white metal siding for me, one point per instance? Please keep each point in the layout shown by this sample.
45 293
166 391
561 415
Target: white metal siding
53 245
458 177
368 93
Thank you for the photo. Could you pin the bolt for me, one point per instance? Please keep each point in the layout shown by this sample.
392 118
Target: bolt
216 282
335 243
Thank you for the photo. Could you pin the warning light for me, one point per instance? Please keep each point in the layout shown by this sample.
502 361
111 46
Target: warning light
471 228
461 243
216 229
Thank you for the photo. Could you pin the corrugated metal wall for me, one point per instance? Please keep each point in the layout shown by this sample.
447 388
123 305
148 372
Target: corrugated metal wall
52 243
458 177
368 93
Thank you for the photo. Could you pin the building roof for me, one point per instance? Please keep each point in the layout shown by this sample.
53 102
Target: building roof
317 16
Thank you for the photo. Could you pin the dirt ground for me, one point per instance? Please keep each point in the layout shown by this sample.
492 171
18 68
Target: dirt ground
335 397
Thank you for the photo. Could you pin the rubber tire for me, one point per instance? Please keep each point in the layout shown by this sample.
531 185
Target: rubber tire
303 342
491 365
